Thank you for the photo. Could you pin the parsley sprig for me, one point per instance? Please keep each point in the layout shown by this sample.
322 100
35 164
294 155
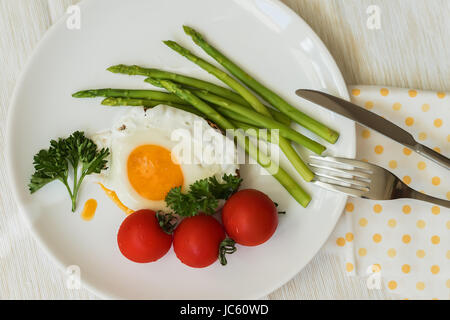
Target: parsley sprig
203 195
78 152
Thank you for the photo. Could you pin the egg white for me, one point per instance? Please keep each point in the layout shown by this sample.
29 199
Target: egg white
169 128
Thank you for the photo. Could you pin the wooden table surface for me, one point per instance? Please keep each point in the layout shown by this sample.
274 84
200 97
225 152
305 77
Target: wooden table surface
407 50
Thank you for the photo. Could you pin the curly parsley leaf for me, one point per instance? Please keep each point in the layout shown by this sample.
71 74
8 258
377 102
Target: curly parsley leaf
203 195
226 189
53 164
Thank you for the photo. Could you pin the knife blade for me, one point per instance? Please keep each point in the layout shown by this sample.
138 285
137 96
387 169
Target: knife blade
372 121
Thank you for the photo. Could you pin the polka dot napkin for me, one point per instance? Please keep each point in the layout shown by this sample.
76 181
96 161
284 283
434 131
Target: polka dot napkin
401 245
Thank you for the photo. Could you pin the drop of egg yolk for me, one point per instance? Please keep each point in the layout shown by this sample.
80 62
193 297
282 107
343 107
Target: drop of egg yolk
152 173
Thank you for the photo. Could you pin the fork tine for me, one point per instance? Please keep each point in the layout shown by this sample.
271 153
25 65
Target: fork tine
338 188
344 173
366 167
364 186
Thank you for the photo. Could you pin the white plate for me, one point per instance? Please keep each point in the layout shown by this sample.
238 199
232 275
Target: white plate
273 44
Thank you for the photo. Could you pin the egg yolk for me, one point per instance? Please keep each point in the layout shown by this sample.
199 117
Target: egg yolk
152 173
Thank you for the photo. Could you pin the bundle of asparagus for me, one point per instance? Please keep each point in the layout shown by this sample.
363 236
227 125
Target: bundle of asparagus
231 108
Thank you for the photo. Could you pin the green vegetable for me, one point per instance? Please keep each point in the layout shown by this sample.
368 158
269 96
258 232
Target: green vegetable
128 93
135 102
263 121
275 114
79 152
178 78
221 75
203 195
285 146
279 173
313 125
138 102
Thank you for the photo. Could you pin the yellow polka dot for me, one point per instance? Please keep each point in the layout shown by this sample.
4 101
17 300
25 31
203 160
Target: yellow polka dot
409 121
425 107
420 224
384 92
437 123
448 254
377 237
349 237
406 238
377 208
376 267
368 105
406 268
362 252
435 210
448 224
435 239
422 136
349 207
363 222
448 138
356 92
407 179
437 149
397 106
420 285
447 283
406 209
412 93
436 181
420 253
340 242
392 164
441 95
435 269
392 252
407 151
366 134
421 165
448 195
364 159
392 285
392 223
349 267
379 149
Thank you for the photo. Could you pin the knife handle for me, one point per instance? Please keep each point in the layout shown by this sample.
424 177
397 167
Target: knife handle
433 155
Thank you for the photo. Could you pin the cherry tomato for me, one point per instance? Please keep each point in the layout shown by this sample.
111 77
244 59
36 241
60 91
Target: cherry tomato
196 240
250 217
141 239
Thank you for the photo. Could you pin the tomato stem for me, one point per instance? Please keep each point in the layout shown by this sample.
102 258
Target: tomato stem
167 221
227 246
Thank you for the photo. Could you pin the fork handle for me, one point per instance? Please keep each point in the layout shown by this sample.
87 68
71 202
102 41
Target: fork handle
413 194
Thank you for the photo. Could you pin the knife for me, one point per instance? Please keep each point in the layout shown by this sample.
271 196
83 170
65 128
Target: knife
372 121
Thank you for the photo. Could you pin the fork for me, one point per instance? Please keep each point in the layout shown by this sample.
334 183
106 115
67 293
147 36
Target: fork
364 180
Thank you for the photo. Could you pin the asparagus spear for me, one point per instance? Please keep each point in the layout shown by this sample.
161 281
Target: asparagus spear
278 102
116 101
262 120
285 146
221 75
281 175
280 117
178 78
252 130
127 93
138 102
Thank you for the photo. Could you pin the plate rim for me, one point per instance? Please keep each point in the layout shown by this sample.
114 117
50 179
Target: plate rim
341 87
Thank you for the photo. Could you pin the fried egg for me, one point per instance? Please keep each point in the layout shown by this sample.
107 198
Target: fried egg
155 150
